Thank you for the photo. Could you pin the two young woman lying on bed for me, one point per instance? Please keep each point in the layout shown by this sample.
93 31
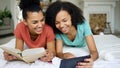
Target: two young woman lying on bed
63 20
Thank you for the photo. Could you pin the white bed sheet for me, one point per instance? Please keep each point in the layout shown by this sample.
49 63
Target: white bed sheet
107 44
104 43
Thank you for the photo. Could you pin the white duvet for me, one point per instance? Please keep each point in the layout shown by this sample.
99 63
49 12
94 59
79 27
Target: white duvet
108 47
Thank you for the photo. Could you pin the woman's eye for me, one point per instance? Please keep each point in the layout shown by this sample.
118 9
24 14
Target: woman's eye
56 22
42 20
64 20
34 22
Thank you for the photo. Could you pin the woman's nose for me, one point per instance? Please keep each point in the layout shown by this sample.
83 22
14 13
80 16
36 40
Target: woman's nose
40 24
61 24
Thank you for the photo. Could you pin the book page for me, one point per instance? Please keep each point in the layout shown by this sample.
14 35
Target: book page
33 58
30 55
13 51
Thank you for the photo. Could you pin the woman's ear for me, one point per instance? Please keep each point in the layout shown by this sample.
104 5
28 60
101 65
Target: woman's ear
24 21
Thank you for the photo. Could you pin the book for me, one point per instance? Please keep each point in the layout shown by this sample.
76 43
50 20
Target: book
27 55
72 62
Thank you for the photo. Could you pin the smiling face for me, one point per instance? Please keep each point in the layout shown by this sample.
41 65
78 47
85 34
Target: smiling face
35 22
63 21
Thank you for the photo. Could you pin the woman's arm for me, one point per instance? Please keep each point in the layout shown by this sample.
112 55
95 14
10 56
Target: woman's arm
59 51
59 48
92 47
19 44
51 47
50 52
93 51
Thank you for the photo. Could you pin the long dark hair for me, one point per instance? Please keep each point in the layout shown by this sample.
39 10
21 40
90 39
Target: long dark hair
29 6
75 13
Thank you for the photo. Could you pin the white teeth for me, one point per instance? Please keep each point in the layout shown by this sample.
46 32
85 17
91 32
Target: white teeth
64 29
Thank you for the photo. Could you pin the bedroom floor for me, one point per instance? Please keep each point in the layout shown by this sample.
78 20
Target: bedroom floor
7 38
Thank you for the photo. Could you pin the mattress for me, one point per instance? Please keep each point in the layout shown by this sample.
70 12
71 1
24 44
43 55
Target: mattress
108 47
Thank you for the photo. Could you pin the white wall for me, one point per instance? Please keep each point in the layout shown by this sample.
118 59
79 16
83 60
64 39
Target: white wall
101 7
10 4
117 17
115 26
4 3
13 5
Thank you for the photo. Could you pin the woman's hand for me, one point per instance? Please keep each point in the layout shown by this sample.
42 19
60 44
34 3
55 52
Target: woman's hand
48 56
68 55
9 56
88 63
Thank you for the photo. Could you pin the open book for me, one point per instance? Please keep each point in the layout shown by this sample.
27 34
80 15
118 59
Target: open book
28 55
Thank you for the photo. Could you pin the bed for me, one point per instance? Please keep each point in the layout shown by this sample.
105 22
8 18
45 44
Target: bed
108 47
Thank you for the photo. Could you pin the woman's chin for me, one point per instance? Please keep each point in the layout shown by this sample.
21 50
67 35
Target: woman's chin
39 32
65 32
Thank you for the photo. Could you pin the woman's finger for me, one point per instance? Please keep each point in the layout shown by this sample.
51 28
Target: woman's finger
84 67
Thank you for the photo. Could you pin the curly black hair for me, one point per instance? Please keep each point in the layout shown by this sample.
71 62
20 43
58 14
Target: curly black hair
29 6
75 13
